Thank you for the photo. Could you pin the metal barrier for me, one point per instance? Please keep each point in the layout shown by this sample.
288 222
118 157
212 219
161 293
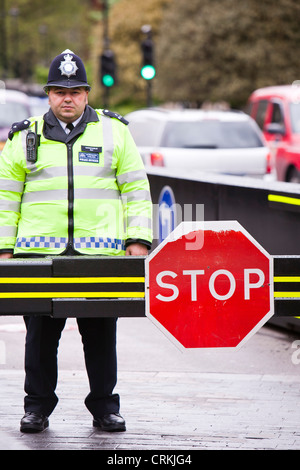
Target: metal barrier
73 286
287 286
106 286
270 211
115 286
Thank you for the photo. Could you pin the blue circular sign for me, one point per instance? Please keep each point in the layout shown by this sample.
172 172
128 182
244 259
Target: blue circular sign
166 213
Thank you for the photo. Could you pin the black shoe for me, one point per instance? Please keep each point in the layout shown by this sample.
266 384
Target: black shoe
112 423
33 422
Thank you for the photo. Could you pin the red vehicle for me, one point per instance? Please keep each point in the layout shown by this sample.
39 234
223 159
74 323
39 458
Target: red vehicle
277 112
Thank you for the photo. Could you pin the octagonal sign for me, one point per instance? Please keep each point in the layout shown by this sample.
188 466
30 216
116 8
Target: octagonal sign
209 285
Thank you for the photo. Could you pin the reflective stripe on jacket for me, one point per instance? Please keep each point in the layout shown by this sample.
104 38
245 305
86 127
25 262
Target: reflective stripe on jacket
88 190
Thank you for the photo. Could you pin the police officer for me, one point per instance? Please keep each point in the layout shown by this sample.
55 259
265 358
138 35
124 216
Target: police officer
72 183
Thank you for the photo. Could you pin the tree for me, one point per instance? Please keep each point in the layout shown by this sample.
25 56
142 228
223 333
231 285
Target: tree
222 50
126 17
34 32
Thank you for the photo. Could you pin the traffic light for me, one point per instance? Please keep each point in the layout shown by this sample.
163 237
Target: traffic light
108 69
148 69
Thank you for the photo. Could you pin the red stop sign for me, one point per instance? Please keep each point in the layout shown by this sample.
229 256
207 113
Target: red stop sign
209 287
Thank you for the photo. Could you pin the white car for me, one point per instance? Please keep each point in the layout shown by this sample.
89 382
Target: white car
14 107
225 142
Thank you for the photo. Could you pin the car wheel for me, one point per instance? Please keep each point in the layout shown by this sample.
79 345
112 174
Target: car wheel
293 175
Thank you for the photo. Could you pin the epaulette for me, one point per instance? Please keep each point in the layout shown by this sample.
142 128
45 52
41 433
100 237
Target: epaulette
115 115
18 126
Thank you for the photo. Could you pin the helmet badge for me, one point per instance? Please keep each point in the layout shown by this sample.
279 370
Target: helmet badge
68 67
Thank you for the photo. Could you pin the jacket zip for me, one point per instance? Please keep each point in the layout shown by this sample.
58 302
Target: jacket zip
70 197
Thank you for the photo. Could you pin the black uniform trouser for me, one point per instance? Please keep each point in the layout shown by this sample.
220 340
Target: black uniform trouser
99 344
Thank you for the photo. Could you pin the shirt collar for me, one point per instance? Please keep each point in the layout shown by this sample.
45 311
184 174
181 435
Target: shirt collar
52 129
64 124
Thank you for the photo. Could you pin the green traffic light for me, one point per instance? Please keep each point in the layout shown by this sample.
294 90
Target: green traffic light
108 80
148 72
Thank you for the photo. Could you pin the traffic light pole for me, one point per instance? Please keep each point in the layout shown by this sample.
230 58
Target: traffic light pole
149 93
105 97
105 24
106 45
148 67
107 65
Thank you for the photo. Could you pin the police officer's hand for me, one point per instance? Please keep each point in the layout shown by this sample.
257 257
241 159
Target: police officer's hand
136 249
6 255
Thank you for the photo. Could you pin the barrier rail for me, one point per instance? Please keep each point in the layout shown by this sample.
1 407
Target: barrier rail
106 286
115 286
73 286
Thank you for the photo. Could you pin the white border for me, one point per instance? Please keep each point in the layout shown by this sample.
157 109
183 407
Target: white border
217 226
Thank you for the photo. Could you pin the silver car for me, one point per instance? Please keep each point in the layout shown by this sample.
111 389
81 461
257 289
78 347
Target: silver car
14 107
225 142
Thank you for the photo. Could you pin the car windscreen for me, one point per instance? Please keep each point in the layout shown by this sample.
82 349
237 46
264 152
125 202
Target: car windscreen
146 133
295 117
11 112
211 134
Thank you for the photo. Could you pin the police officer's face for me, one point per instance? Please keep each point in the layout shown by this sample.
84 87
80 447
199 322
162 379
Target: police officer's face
68 103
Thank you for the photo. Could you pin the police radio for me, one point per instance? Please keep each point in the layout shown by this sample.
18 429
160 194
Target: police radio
32 143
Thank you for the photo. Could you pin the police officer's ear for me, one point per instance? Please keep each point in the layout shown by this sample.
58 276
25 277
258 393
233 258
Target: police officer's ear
46 90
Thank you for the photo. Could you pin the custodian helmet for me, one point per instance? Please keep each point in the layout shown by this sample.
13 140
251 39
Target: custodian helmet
67 71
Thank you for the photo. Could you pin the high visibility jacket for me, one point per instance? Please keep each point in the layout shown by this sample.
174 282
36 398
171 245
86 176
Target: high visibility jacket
88 190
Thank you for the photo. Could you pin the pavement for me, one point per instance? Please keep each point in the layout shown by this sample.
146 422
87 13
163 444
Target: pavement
172 401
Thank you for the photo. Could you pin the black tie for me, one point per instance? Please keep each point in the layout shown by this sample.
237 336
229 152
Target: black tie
70 126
